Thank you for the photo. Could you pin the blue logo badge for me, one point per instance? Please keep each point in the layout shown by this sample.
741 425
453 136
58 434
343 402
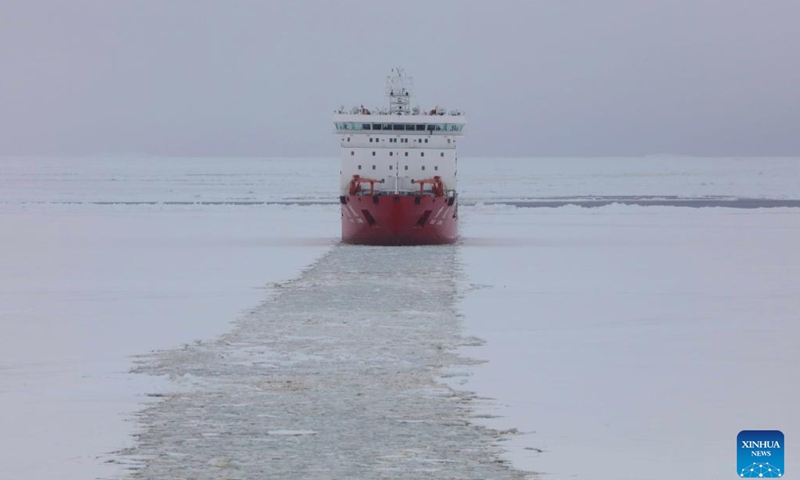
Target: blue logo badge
760 454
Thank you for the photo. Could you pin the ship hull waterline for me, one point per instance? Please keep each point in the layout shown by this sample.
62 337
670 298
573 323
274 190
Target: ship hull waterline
399 220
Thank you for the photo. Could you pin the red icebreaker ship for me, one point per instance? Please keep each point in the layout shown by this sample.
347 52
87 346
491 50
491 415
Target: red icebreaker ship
399 165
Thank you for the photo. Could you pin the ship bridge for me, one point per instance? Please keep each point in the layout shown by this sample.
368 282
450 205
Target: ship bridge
393 123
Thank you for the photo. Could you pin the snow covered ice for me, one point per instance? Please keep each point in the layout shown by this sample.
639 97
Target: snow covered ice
615 342
634 335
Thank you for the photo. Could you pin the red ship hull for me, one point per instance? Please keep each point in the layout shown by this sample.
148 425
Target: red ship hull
399 219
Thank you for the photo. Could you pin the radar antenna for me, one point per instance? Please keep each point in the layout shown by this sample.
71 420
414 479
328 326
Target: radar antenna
398 89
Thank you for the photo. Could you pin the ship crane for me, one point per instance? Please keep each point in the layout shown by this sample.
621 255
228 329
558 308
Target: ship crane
357 181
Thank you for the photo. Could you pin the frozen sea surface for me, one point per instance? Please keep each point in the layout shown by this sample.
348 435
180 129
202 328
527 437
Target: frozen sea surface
634 343
153 180
620 323
333 378
84 287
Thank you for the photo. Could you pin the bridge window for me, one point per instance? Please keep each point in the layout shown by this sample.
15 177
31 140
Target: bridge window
426 140
436 127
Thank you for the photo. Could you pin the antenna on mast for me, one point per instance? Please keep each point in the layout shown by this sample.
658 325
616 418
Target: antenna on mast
398 89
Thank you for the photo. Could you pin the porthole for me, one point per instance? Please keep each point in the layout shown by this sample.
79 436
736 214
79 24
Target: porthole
406 154
391 154
391 167
436 167
421 154
406 167
352 152
373 167
370 140
373 154
441 154
359 167
426 140
423 167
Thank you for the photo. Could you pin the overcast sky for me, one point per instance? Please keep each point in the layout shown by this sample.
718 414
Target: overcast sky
536 78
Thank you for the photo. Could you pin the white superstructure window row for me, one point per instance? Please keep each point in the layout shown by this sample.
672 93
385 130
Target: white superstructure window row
406 152
395 127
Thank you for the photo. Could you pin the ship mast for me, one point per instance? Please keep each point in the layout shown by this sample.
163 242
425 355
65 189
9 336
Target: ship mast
398 89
